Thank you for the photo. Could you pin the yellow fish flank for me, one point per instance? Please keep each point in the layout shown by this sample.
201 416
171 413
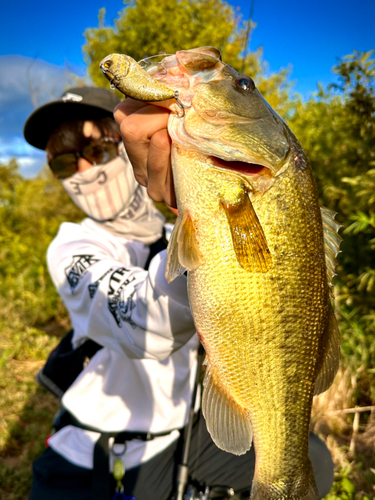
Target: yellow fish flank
260 254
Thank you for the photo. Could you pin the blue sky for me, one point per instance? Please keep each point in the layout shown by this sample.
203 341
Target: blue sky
41 45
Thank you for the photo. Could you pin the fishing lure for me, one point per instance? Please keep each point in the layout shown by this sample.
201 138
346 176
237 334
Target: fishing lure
127 76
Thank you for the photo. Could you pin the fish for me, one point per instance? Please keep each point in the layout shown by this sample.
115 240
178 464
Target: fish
260 254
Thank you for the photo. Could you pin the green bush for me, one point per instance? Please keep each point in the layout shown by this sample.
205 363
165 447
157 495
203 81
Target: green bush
337 129
31 211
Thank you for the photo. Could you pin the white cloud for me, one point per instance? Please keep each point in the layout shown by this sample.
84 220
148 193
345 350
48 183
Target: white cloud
26 83
28 166
33 81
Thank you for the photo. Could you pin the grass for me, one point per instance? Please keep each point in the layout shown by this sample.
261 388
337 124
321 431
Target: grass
26 411
350 439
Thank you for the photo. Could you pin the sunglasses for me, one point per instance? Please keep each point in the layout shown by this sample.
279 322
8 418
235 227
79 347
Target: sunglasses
97 153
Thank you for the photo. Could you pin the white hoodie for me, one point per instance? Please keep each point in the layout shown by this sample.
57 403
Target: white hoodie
142 379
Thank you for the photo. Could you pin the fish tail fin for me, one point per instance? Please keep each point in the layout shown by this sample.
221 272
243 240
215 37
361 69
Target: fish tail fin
303 487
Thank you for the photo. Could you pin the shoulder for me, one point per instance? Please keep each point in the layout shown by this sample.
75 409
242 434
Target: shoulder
86 231
87 241
85 237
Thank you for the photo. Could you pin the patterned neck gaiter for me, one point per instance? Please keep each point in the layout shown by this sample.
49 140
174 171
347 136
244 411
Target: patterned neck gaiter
110 195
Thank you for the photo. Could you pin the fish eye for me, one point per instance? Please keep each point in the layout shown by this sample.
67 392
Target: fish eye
245 83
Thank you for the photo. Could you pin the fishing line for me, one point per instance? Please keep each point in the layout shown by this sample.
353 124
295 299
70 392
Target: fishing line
248 30
144 63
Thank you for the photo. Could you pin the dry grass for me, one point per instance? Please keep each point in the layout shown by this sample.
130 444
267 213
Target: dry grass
26 411
350 436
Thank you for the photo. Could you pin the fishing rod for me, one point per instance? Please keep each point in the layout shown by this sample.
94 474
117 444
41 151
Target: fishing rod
183 467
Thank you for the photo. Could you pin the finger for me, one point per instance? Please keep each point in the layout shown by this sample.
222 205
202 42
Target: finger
129 106
126 108
160 185
137 130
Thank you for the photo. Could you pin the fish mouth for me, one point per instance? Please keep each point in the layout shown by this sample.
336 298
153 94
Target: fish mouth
184 72
241 167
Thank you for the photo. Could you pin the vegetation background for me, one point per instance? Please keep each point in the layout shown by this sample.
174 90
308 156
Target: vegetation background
337 129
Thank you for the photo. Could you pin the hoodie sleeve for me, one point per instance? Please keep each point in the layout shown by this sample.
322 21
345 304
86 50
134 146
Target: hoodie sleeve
114 302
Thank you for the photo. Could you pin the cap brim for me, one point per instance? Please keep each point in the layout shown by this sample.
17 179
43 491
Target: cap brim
44 120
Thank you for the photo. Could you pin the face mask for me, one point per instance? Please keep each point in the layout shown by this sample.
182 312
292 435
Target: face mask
103 191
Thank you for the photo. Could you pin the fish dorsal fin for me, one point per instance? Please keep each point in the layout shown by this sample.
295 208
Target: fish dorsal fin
332 240
227 424
330 357
183 251
249 240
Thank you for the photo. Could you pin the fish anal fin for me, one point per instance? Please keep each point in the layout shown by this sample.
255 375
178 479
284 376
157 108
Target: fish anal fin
173 268
249 240
330 356
226 422
189 254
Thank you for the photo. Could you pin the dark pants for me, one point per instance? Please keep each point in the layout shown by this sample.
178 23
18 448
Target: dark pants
56 478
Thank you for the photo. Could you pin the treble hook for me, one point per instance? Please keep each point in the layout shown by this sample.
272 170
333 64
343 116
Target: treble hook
179 103
144 63
115 79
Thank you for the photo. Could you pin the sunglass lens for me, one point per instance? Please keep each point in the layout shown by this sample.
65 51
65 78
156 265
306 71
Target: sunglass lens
64 165
100 153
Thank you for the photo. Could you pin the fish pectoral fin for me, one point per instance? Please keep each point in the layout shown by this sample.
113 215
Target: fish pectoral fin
183 251
173 267
189 254
249 240
226 422
330 357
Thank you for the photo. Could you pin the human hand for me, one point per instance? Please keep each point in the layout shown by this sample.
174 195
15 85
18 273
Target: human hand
144 131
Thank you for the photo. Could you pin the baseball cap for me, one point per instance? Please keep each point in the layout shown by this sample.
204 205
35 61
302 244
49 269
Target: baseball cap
78 103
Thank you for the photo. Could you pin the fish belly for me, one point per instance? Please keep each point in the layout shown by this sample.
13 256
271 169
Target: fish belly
261 330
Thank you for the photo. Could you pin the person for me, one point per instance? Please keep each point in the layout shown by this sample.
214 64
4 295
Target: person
127 399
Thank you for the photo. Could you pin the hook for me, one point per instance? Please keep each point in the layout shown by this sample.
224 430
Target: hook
115 79
180 104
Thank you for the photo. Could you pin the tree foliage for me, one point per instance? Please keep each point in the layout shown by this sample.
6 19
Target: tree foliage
148 27
31 211
337 129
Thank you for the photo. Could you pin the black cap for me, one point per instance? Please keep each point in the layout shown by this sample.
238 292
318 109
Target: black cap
79 103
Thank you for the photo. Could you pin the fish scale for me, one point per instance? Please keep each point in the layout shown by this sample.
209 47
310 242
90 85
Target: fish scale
263 326
260 254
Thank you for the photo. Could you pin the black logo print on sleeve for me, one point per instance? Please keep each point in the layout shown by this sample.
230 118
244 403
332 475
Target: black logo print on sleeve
78 268
120 302
94 286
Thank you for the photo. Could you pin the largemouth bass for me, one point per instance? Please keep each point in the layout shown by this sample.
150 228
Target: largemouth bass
261 255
